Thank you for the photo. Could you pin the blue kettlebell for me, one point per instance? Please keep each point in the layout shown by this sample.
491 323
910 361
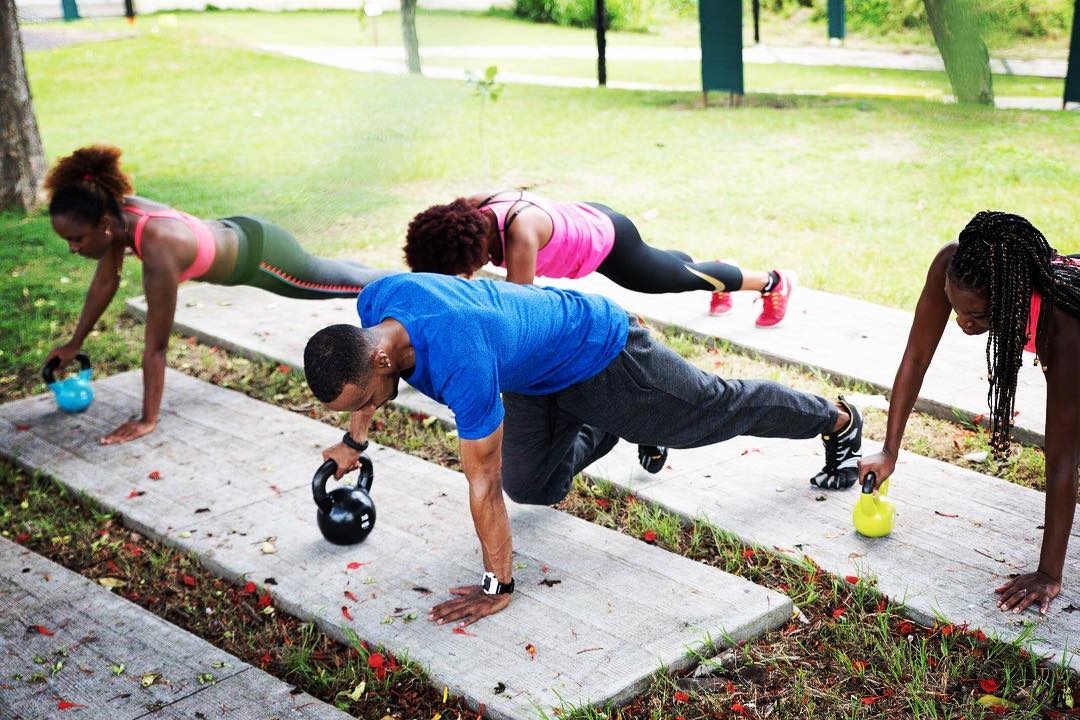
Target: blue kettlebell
346 515
73 394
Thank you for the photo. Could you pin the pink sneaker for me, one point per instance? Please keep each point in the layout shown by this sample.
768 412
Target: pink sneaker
776 300
720 303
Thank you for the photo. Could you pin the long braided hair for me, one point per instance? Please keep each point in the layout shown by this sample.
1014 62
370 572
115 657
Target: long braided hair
1005 257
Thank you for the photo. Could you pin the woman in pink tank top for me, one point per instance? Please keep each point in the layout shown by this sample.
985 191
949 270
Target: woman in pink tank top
91 207
531 236
990 278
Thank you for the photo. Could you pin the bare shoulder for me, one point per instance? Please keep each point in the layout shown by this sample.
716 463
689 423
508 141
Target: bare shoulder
940 263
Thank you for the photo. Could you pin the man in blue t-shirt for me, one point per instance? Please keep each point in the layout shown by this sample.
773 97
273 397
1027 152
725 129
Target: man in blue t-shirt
542 383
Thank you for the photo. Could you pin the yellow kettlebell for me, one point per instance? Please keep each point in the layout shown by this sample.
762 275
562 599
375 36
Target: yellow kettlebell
873 514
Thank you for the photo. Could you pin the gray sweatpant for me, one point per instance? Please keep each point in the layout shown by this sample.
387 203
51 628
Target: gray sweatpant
648 395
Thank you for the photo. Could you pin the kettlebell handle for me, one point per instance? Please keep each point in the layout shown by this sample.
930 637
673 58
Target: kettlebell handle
868 483
327 471
48 373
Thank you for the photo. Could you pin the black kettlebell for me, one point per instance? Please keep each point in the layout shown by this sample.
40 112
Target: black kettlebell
346 515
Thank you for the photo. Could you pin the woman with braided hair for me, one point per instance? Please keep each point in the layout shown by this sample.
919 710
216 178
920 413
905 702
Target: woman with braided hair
92 208
1003 278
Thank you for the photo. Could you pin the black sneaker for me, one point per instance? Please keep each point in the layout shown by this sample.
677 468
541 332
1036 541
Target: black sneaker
652 457
842 452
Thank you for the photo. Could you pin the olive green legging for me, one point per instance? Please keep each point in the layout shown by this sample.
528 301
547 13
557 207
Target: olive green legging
270 258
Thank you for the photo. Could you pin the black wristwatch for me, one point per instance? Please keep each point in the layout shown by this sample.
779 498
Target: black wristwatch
358 447
492 586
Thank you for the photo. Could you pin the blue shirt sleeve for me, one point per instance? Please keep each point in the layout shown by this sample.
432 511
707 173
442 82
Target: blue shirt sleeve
473 395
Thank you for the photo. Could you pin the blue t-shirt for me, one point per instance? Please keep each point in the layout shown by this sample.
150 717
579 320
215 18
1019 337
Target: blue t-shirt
477 338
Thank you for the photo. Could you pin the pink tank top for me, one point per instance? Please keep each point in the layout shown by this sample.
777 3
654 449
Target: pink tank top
205 250
1036 306
581 235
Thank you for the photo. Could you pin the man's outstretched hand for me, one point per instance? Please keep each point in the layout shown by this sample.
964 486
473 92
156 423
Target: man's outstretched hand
1026 590
470 605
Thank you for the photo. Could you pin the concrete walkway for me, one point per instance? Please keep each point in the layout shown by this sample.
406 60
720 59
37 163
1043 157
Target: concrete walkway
379 60
85 631
959 533
601 610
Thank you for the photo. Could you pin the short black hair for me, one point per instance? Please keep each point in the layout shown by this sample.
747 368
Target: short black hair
334 356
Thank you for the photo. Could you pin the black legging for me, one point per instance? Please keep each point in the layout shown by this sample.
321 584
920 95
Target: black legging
636 266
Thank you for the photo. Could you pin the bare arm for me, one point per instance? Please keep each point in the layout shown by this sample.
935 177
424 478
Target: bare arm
100 293
931 315
1062 458
161 276
346 458
482 461
521 249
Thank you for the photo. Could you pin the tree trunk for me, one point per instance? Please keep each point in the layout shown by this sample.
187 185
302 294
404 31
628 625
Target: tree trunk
956 31
408 35
22 160
601 43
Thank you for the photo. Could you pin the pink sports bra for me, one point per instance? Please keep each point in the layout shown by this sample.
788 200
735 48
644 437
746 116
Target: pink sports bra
1036 306
581 235
206 247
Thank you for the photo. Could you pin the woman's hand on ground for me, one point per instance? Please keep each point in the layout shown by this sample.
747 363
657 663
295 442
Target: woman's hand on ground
1028 589
346 458
470 605
129 431
881 464
66 353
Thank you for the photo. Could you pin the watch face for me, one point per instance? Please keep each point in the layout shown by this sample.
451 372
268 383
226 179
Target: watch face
487 583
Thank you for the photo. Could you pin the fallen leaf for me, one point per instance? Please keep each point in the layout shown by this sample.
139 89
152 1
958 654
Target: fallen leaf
992 701
148 679
356 565
445 694
531 649
265 658
351 596
249 588
870 700
118 669
136 493
67 705
345 612
604 503
947 630
264 600
268 548
187 580
548 582
947 515
681 697
422 590
853 579
110 582
358 692
154 475
976 457
41 629
858 665
462 631
738 708
838 613
500 688
185 534
989 685
21 427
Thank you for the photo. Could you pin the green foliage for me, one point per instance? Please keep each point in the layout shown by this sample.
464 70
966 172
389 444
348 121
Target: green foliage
634 15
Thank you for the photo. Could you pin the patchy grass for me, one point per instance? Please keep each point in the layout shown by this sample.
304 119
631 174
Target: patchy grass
242 620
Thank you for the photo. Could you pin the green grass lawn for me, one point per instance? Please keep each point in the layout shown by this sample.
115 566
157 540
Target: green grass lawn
855 194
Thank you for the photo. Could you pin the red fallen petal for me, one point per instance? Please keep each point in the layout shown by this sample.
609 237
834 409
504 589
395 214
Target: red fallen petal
989 685
188 580
887 692
283 369
265 658
882 606
264 600
852 579
352 597
544 569
932 662
730 687
249 588
751 450
838 612
67 705
738 708
997 709
133 550
345 612
380 673
21 427
905 628
859 665
276 489
531 649
947 630
462 631
135 494
980 635
748 553
604 503
154 475
22 537
681 697
44 630
356 565
649 536
376 660
870 700
783 586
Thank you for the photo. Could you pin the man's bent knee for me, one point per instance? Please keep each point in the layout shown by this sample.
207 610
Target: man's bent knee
533 493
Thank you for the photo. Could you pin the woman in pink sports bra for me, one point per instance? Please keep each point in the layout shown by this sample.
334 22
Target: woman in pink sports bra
91 207
531 236
1003 278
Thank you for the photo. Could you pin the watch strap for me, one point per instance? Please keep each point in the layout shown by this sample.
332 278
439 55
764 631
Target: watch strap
347 439
492 586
